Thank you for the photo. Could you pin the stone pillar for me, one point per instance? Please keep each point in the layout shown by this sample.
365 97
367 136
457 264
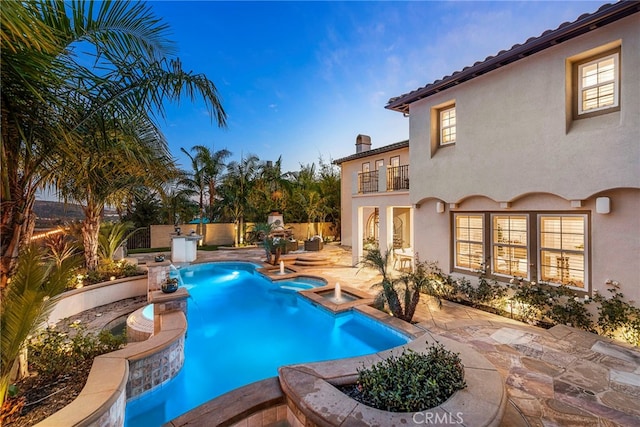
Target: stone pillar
158 273
164 303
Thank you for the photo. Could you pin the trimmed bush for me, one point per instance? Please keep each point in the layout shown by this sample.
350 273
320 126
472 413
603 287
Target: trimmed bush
412 381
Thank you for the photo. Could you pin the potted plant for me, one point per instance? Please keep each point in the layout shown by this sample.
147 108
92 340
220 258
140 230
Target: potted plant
268 247
170 285
279 244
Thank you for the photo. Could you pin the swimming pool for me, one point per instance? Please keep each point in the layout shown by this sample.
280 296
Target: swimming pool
241 328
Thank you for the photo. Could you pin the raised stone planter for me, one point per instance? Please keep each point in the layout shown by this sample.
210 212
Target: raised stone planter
314 400
313 245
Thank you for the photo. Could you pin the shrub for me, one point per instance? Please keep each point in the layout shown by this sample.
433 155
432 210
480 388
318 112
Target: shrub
488 292
53 352
530 299
104 272
412 381
617 316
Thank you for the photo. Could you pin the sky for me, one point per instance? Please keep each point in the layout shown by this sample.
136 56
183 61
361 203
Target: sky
302 79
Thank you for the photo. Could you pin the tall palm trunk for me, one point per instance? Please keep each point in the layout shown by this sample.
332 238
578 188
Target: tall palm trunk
16 229
90 233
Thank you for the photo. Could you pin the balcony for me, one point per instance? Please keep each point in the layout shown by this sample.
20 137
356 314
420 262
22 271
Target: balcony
368 182
398 178
392 178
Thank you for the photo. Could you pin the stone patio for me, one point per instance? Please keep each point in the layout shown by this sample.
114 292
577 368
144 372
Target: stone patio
557 377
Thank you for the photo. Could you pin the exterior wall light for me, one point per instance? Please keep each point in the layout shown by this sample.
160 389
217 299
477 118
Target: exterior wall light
603 205
439 207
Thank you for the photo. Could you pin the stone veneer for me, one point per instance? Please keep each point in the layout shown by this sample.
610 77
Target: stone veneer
157 273
156 369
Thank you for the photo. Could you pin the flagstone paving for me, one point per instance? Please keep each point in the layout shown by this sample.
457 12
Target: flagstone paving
557 377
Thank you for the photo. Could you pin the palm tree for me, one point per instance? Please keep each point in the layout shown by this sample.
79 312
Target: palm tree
213 166
235 192
329 187
45 89
36 65
312 204
208 167
113 158
112 235
177 203
272 191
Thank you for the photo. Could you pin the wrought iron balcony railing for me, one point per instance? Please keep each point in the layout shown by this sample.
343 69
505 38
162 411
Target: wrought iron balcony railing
398 178
368 182
392 178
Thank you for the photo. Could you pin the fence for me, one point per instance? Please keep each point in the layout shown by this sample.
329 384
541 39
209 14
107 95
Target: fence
141 238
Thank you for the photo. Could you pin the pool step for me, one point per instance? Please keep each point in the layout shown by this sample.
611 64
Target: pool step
313 261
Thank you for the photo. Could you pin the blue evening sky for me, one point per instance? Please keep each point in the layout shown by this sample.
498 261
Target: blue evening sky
303 79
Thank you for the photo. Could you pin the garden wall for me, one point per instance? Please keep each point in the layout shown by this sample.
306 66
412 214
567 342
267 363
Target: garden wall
223 234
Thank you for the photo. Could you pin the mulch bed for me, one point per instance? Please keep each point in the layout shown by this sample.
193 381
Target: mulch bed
38 397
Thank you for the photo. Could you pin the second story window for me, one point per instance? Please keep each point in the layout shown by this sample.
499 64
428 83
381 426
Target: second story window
598 81
448 125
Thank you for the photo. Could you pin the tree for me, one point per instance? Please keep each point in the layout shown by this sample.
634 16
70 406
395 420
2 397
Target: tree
113 158
208 167
389 295
271 190
401 294
177 204
329 186
312 204
38 70
235 192
143 208
112 235
49 96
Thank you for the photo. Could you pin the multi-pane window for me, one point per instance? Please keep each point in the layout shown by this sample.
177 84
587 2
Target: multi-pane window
562 250
469 241
448 125
598 82
379 164
560 242
510 245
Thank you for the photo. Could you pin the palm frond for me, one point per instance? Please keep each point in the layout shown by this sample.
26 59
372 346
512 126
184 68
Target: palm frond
28 300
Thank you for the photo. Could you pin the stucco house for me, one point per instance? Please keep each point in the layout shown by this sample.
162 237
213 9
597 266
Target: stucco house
529 160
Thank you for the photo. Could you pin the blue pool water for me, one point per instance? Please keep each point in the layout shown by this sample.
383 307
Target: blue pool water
241 328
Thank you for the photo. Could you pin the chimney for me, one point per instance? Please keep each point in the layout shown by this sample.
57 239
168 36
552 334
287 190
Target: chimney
363 143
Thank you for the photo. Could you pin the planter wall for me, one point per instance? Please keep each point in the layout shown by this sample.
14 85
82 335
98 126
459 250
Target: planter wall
79 300
315 401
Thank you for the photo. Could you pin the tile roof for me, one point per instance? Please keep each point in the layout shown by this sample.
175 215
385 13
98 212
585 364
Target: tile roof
606 14
380 150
